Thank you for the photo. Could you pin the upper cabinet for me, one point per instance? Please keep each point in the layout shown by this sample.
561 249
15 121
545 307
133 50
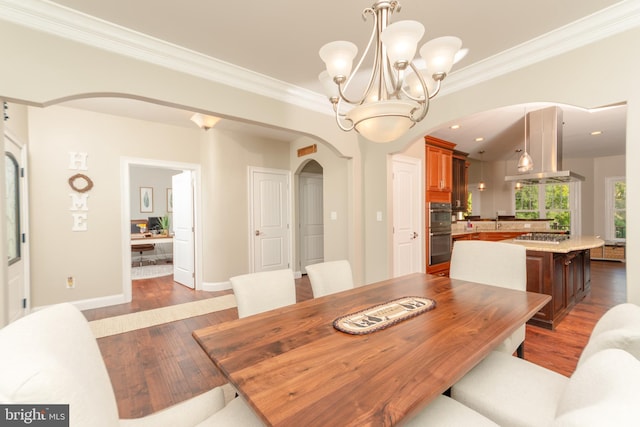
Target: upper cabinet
439 169
460 182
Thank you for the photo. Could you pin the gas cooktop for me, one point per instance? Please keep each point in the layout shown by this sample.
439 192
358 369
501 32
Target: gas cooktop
553 238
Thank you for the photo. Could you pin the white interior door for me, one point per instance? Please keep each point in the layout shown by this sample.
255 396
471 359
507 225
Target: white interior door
311 220
17 251
269 210
183 238
407 223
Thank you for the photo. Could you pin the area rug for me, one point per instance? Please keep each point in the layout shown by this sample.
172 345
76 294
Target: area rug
151 271
145 319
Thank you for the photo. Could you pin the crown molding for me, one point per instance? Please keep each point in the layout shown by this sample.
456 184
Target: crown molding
613 20
42 15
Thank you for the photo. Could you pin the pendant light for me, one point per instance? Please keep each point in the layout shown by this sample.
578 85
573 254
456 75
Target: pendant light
525 163
481 185
518 183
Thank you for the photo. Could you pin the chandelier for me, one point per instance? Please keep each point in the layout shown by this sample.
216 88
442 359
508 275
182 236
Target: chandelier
397 94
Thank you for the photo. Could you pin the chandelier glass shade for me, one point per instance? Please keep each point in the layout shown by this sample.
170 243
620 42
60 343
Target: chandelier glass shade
397 93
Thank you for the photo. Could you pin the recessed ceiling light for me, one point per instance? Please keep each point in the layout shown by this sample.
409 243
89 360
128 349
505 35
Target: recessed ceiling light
454 127
479 139
596 132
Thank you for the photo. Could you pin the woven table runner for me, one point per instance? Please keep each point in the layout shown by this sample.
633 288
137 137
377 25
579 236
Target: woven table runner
383 315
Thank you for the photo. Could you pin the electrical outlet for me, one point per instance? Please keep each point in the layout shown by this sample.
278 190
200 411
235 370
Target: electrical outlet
71 282
527 225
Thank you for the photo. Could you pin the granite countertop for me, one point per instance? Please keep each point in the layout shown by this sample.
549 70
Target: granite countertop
573 244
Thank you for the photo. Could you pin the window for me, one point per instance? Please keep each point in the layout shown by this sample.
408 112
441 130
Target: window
557 202
616 214
13 208
527 202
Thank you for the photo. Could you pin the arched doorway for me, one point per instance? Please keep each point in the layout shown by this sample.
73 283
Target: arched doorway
310 214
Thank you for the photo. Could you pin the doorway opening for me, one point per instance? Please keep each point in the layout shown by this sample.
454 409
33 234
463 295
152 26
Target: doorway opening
17 220
152 217
310 214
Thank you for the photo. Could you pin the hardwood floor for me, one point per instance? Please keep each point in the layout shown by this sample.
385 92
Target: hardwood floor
156 367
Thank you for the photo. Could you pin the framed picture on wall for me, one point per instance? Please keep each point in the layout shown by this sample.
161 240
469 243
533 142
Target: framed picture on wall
146 199
169 200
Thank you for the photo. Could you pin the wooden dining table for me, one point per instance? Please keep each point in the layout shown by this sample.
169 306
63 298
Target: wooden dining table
294 368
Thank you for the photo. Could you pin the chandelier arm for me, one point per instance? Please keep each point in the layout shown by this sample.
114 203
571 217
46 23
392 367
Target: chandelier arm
437 89
343 88
391 79
372 38
423 84
424 103
338 116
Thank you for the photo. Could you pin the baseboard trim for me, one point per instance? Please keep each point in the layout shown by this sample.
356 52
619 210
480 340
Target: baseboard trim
213 287
92 303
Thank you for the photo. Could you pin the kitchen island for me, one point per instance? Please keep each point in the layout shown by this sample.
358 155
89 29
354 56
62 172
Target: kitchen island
561 270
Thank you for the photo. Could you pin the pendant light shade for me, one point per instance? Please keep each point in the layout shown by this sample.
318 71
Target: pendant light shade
439 54
338 57
205 122
401 40
525 163
481 185
382 121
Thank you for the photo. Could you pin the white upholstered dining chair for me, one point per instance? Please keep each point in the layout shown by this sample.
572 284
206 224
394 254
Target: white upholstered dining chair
330 277
513 392
52 357
493 263
619 327
516 392
263 291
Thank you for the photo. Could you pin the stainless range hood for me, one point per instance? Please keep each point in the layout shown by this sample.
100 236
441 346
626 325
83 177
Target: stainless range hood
545 147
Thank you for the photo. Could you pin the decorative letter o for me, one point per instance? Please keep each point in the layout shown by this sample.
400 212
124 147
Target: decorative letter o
88 183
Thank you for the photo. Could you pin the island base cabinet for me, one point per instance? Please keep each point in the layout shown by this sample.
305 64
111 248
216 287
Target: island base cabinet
565 277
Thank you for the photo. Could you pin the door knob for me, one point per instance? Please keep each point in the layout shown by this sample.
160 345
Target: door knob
258 232
415 235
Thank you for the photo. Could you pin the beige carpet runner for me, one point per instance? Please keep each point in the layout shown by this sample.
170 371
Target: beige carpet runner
145 319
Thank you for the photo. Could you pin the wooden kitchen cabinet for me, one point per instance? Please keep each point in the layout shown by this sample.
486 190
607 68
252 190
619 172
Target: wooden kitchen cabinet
439 269
565 277
460 177
439 169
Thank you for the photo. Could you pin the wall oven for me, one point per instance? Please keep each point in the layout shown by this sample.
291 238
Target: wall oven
439 233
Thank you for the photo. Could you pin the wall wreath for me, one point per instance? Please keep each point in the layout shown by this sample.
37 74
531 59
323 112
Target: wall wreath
88 184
